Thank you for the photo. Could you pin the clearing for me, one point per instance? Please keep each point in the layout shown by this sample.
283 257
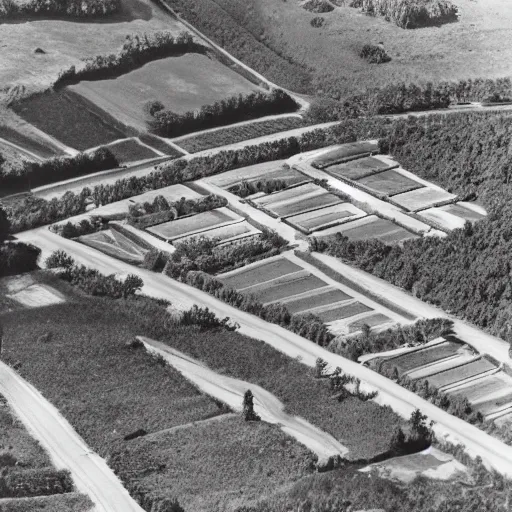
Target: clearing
182 84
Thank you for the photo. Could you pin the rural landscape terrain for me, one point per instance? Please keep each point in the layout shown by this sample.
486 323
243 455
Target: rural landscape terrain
255 256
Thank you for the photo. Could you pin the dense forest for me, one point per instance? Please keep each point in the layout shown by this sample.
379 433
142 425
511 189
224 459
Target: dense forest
467 273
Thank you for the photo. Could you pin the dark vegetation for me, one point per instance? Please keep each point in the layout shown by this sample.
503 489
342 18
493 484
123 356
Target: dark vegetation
318 6
11 135
468 272
130 150
317 21
84 227
232 135
68 8
369 342
137 50
225 112
69 502
374 54
36 174
410 13
15 483
247 188
160 210
160 145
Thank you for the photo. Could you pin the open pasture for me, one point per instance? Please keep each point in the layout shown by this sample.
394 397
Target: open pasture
228 233
277 290
131 150
460 373
370 227
115 244
259 273
66 42
67 117
181 83
360 168
422 357
232 135
325 217
194 224
389 183
315 299
345 152
421 198
376 320
339 312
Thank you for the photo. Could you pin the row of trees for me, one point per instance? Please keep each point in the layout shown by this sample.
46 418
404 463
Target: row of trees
137 50
161 210
34 174
247 188
65 8
221 113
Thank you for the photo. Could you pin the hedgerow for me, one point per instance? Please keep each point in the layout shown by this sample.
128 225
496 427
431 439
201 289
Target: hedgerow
67 8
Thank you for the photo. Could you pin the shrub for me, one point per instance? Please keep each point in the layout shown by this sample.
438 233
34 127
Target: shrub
317 22
17 258
224 112
317 6
84 227
374 54
35 482
247 188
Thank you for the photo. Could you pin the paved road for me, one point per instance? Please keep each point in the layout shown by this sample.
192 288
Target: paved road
66 448
231 392
493 452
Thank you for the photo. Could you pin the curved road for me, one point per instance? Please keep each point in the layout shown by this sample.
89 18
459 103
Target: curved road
493 452
231 392
66 448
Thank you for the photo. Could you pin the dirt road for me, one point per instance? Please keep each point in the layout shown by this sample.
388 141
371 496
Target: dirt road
66 448
493 452
231 391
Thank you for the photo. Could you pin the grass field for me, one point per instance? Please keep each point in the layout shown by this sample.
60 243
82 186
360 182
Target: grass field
115 244
235 134
325 217
422 198
341 312
265 271
131 150
359 168
462 372
345 152
181 83
66 42
372 320
70 502
229 233
252 461
65 116
314 300
469 48
159 144
371 227
194 224
418 358
389 183
30 143
276 290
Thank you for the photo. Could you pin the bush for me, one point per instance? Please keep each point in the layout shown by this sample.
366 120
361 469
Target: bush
224 112
17 258
318 6
317 22
247 188
84 227
35 482
374 54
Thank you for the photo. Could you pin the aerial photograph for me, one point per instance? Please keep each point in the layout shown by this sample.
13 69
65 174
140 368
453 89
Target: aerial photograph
255 255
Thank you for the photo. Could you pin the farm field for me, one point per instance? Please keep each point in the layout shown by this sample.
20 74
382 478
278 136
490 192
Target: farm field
270 269
481 389
115 244
451 216
315 299
128 151
159 144
34 144
340 312
64 115
389 183
454 375
370 227
182 84
271 170
374 320
194 224
227 234
325 217
422 357
422 198
69 502
344 153
297 200
360 168
423 372
234 134
66 42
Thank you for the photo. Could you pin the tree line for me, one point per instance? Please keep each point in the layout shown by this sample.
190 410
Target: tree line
221 113
137 50
68 8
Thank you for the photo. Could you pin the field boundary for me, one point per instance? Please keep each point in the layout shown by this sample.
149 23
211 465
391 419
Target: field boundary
333 274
